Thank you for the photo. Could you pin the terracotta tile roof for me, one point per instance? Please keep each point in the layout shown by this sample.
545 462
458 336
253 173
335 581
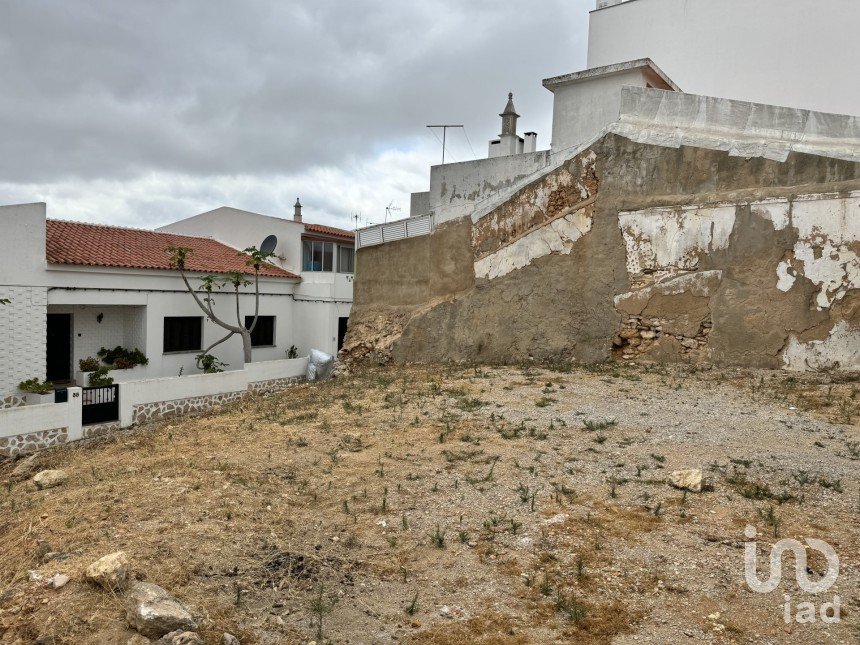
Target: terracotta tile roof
110 246
329 230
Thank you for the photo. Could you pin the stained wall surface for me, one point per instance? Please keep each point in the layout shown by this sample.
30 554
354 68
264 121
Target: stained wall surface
633 251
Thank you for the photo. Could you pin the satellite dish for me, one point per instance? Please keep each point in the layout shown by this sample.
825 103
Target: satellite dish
269 244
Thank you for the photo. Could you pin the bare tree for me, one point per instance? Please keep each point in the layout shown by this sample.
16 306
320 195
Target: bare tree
211 284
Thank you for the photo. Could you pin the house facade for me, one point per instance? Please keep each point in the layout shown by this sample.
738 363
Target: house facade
323 256
74 288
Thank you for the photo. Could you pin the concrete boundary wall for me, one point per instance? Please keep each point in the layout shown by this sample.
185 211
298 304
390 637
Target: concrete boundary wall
156 398
32 427
28 428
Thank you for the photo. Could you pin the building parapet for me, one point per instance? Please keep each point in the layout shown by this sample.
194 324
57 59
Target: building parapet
390 231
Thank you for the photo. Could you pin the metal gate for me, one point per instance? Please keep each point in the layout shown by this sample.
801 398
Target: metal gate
100 404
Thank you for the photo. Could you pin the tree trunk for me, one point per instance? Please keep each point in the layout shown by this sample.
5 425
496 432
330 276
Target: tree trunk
246 345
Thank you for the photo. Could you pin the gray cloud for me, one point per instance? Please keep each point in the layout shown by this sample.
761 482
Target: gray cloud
144 112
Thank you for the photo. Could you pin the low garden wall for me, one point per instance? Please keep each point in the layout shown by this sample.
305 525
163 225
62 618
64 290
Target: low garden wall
32 427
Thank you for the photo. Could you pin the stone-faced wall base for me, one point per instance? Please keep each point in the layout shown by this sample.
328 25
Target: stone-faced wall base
165 409
266 387
12 401
99 429
25 443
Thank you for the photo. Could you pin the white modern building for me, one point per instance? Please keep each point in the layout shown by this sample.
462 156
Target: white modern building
73 288
793 53
641 53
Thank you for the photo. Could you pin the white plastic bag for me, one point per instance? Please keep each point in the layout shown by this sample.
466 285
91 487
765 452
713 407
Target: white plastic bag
320 366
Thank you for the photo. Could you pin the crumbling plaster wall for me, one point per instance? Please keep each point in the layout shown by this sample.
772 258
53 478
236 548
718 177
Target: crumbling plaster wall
632 251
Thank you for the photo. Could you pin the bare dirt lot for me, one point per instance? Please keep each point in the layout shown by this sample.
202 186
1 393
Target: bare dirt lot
456 505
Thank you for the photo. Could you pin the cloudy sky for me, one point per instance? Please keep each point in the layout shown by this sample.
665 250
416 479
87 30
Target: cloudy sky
141 113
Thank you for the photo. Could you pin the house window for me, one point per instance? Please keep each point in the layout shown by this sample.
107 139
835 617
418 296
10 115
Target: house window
317 256
183 334
264 331
346 259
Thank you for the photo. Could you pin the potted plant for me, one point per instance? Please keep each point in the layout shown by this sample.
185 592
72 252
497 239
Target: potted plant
100 377
38 392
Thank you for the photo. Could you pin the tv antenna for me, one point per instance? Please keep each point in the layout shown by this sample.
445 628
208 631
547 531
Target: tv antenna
391 208
444 133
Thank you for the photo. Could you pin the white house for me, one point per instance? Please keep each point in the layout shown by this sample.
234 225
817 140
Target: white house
74 288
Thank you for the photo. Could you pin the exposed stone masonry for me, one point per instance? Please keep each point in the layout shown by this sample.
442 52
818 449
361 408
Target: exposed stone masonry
25 443
12 401
640 335
266 387
99 429
165 409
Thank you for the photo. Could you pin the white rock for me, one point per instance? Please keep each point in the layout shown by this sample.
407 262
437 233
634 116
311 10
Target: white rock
50 478
229 639
59 580
153 612
110 572
179 637
687 479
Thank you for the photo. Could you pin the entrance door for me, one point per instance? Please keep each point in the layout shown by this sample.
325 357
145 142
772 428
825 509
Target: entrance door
58 366
341 331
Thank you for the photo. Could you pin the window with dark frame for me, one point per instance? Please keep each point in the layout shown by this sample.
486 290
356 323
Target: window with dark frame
263 334
317 256
183 334
346 259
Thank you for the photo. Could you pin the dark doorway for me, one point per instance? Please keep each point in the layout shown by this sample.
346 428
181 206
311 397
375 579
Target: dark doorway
58 366
341 331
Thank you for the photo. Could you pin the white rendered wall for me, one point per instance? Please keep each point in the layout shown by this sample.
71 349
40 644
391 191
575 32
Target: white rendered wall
46 416
89 335
22 281
174 388
456 189
419 204
321 297
241 229
146 298
797 53
581 110
22 336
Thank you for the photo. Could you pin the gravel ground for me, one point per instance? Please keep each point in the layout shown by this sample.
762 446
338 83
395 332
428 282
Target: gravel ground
458 504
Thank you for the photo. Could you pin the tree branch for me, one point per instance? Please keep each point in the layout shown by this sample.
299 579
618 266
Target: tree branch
211 347
209 312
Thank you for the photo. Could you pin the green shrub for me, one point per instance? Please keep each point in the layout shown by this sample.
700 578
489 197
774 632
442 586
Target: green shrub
35 386
100 377
210 364
122 358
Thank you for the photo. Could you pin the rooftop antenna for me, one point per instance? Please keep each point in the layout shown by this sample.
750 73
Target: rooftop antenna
444 133
356 216
391 208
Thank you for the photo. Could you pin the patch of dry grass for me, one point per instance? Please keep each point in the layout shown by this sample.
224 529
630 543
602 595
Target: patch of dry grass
334 495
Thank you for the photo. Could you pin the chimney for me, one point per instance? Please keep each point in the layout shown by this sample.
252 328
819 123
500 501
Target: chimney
297 211
530 144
